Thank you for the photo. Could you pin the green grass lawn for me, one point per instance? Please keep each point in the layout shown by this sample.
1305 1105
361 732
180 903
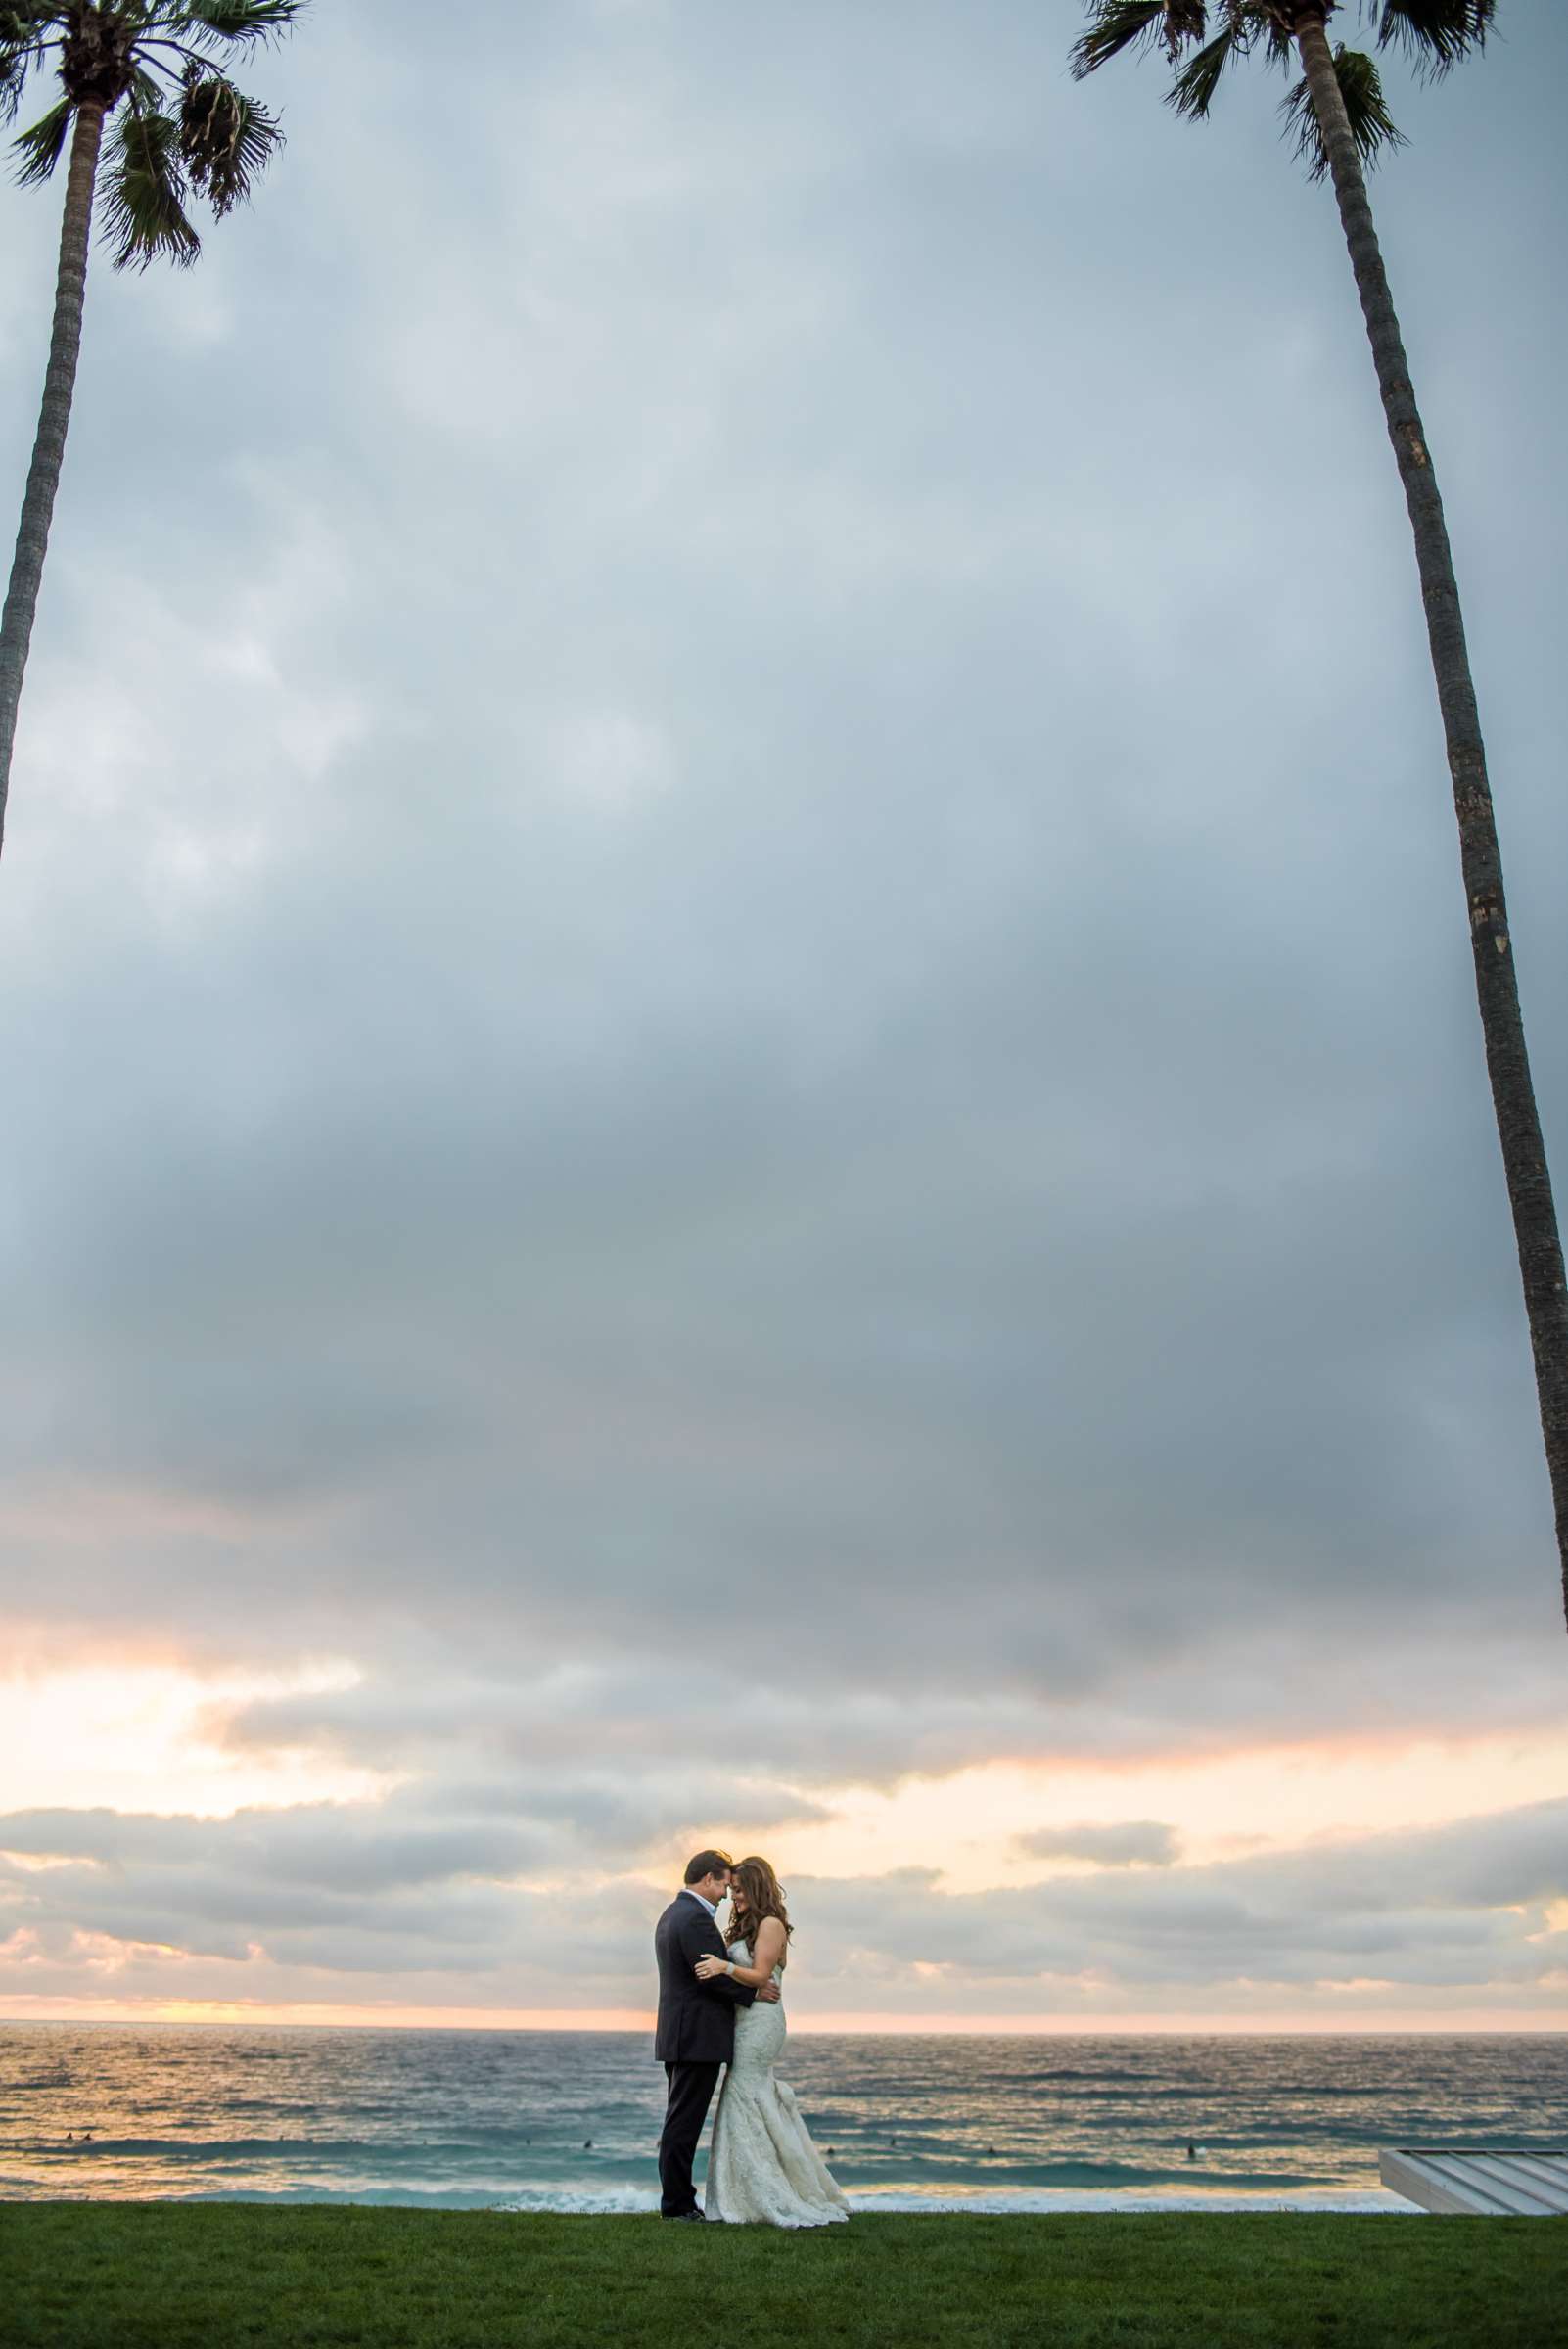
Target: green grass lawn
206 2276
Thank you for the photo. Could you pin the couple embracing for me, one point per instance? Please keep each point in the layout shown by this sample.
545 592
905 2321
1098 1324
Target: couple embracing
721 2005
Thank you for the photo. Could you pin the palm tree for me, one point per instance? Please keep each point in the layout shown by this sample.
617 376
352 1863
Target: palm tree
1338 111
144 71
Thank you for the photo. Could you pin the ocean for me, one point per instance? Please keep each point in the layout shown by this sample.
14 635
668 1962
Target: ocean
540 2120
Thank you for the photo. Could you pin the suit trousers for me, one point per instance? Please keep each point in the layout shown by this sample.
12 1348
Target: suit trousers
691 2091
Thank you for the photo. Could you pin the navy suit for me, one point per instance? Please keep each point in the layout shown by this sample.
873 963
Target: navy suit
696 2035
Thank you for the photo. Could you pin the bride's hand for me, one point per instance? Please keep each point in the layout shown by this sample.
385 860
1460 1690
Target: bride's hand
708 1967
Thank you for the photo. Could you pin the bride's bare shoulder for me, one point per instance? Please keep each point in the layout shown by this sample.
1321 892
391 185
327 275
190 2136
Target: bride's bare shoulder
770 1941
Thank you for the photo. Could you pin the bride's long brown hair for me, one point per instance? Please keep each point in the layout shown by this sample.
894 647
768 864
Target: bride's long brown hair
759 1888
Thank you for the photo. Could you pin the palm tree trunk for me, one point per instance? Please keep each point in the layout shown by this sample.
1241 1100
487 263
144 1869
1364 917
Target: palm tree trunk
43 475
1524 1156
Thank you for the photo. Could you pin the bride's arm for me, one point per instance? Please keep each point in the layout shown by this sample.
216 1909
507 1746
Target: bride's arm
767 1949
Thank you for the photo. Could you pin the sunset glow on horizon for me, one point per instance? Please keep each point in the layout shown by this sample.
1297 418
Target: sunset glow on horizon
149 1741
218 2014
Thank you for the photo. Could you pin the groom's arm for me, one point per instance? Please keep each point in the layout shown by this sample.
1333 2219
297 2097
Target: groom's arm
700 1938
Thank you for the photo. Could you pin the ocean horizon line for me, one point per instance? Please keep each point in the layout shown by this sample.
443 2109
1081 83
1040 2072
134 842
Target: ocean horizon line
598 2022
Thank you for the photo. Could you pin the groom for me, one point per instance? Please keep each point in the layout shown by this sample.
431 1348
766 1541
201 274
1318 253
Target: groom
696 2023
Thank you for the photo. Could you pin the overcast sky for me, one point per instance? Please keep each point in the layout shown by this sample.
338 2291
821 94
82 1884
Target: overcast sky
742 1088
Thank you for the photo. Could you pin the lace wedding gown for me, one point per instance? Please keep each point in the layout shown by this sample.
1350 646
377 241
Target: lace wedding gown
762 2167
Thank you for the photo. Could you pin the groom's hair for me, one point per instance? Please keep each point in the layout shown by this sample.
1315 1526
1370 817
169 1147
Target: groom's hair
707 1863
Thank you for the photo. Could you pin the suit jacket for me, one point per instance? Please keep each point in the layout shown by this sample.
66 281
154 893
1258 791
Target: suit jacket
696 2019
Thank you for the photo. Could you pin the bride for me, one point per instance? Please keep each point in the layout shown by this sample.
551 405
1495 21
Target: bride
762 2166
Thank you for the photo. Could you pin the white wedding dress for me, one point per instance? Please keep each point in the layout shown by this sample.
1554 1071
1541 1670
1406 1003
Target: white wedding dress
762 2168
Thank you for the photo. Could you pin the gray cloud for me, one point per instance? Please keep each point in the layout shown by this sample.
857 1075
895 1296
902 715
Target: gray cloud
1122 1844
730 931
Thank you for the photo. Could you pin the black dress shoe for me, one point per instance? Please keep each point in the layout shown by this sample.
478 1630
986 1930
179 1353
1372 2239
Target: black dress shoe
685 2215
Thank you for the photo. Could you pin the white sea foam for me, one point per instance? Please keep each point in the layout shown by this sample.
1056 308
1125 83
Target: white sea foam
1043 2199
607 2201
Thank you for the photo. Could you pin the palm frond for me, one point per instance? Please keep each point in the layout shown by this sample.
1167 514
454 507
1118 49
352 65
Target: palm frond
14 65
1117 25
22 31
1192 92
24 22
144 191
218 23
40 148
1371 125
1436 33
1279 39
226 139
